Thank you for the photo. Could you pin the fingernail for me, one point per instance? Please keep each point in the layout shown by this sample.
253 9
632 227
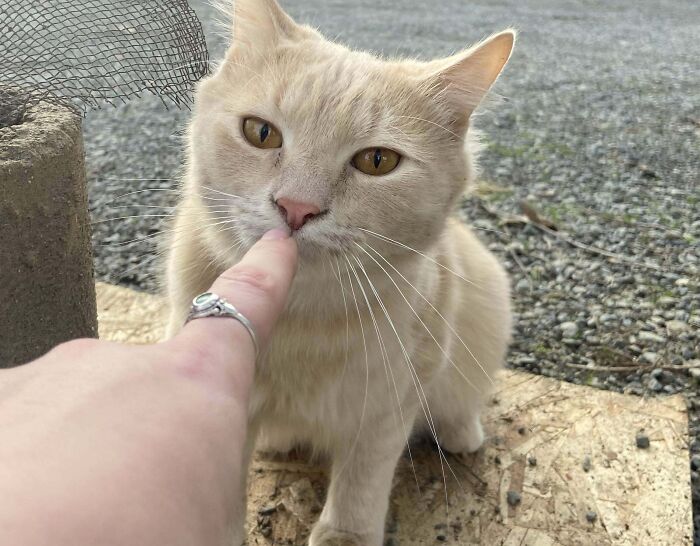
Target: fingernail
276 234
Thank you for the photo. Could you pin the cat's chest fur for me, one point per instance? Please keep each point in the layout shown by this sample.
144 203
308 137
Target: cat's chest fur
338 357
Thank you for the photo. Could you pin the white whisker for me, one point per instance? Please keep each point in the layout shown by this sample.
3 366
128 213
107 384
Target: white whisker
387 363
402 245
364 402
422 396
415 313
347 317
447 323
129 217
221 192
459 137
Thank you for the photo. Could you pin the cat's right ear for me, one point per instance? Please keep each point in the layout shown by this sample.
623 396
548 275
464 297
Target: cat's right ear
259 24
462 81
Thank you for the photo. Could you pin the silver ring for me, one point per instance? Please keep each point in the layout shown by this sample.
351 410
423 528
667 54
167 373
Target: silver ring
209 304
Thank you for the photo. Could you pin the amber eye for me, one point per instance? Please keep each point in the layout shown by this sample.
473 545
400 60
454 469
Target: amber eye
261 134
376 161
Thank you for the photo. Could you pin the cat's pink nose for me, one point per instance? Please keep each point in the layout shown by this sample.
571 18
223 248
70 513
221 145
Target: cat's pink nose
296 213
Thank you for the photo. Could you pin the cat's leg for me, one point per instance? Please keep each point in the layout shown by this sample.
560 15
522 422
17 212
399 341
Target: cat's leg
477 339
456 408
190 269
278 439
457 395
360 485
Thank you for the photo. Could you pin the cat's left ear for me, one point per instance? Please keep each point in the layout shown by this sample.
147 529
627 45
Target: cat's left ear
464 79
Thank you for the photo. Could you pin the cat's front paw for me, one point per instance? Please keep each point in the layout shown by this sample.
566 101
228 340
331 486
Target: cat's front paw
322 535
463 437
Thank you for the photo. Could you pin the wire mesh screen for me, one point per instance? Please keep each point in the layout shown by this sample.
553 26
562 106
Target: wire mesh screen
84 52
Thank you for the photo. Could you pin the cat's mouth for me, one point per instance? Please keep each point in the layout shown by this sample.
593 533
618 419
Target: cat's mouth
317 242
318 238
313 229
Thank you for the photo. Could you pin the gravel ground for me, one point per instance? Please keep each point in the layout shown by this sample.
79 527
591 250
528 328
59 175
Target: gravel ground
599 132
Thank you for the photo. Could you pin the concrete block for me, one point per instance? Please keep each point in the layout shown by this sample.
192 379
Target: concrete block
47 292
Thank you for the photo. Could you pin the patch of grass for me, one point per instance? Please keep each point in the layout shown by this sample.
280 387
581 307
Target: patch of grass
629 218
668 293
486 189
608 356
506 151
644 238
540 349
655 296
559 213
558 148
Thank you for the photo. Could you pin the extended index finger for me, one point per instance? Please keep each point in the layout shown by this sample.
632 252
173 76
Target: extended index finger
257 286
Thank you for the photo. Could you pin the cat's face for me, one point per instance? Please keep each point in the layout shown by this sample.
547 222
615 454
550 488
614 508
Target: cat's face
295 130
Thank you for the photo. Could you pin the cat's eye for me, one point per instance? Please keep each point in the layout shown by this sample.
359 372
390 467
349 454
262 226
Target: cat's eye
376 161
261 133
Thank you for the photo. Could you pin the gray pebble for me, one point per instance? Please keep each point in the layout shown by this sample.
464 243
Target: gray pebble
525 360
666 301
523 285
676 360
649 357
572 342
267 510
586 465
642 440
591 516
568 329
513 498
650 337
655 385
695 462
675 327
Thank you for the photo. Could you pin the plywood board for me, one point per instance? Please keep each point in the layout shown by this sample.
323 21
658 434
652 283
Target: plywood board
128 316
639 496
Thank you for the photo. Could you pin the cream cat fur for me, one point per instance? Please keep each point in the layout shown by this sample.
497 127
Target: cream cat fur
377 339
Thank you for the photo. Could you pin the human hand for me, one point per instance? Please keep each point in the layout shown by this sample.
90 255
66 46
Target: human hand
107 444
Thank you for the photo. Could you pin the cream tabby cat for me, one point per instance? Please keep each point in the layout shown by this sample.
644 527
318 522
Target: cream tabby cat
398 317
